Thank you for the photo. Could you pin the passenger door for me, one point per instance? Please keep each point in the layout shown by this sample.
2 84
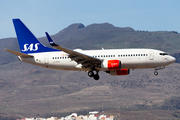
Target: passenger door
46 59
151 55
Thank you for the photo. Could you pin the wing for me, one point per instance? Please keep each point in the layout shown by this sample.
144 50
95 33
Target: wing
80 58
18 53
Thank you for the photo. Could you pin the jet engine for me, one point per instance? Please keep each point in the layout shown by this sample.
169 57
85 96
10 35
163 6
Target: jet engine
119 72
111 65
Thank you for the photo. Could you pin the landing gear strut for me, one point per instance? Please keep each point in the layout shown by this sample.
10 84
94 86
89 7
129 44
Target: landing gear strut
95 76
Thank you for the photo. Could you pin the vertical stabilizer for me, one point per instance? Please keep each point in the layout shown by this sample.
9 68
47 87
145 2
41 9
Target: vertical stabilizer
28 43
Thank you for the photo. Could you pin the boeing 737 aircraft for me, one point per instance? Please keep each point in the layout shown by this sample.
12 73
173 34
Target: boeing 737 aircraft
115 62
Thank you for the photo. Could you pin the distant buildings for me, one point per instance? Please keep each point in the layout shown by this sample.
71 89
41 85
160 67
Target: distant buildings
92 116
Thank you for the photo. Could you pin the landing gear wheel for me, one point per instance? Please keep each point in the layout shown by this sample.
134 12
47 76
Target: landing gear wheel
155 73
96 77
90 73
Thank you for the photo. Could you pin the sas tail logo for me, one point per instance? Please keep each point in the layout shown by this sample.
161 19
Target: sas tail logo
31 47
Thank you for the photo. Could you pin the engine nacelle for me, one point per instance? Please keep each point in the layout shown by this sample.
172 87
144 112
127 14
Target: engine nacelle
119 72
111 65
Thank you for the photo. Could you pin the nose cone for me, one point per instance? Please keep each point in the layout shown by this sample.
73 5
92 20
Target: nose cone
171 59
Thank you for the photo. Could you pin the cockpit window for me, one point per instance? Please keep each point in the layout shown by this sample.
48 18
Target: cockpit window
163 54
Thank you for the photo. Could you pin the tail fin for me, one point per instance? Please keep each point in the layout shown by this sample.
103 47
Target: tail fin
28 43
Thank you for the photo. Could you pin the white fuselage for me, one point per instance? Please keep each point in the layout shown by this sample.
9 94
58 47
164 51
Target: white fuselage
130 59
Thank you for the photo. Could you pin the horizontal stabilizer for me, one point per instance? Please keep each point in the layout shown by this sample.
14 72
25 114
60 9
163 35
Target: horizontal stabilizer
18 53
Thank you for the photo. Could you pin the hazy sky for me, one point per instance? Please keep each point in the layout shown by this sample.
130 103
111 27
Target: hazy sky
54 15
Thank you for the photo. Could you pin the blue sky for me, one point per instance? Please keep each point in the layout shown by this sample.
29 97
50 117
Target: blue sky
54 15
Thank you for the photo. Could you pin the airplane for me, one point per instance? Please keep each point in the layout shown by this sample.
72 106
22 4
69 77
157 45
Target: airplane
115 62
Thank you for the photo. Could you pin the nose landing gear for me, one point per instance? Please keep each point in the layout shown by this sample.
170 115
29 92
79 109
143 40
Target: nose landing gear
158 68
155 73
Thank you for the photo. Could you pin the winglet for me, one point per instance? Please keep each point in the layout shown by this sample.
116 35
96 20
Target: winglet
52 43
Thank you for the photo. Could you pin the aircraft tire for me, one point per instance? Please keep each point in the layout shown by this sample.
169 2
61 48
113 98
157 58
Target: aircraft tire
96 77
155 73
90 73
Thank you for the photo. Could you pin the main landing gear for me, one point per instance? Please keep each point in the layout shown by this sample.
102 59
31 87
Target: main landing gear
95 76
158 68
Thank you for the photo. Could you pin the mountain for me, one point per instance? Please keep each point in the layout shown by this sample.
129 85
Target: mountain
32 91
107 36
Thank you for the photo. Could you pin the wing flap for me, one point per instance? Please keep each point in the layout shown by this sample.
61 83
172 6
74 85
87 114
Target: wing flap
18 53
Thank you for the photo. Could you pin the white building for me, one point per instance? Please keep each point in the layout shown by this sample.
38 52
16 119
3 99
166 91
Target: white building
52 118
